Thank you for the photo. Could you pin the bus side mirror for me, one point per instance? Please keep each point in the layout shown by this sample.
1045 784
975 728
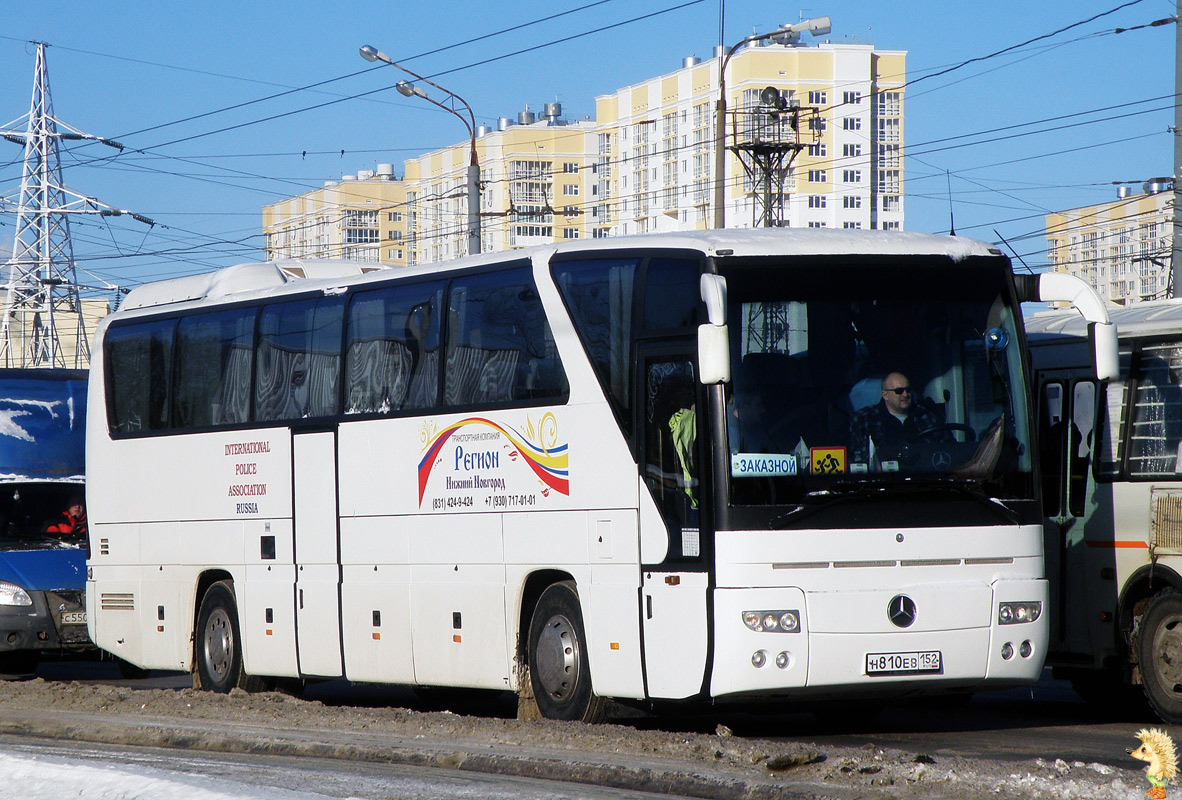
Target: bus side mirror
1105 350
714 354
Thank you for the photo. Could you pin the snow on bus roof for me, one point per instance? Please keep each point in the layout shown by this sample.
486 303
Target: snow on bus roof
1139 318
264 275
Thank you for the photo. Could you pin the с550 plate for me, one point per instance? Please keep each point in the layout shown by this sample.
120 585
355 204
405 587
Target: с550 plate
922 662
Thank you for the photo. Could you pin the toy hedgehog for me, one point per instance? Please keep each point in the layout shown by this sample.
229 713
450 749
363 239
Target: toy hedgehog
1157 748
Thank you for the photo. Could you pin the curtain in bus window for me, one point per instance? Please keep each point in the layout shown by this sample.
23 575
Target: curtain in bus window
599 294
138 369
499 344
1157 412
213 368
298 368
392 354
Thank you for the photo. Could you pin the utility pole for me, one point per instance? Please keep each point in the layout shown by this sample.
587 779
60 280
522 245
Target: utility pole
1176 242
42 306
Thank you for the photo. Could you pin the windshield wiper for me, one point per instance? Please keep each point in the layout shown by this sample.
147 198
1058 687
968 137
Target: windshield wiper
843 492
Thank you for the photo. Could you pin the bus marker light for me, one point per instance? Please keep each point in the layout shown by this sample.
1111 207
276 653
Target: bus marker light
673 580
455 638
376 636
615 645
758 658
783 660
159 629
269 632
1106 616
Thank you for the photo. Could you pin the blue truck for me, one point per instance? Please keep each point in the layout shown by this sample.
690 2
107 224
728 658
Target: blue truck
43 547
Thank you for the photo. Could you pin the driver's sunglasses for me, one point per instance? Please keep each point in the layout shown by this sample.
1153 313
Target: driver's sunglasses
900 390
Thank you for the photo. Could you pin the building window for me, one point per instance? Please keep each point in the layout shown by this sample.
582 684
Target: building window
817 176
890 226
851 150
818 98
395 236
570 233
888 181
570 167
890 104
851 201
851 225
888 156
851 123
570 189
818 124
394 216
817 150
816 201
394 255
851 175
851 98
890 202
888 130
818 225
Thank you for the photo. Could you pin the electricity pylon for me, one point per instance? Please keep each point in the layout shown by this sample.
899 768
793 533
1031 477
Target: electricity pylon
43 323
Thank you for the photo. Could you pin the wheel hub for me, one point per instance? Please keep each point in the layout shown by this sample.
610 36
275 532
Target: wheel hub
219 645
1168 644
558 659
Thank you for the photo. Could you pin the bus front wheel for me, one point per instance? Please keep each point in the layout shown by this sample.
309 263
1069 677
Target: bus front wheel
558 668
1159 654
219 643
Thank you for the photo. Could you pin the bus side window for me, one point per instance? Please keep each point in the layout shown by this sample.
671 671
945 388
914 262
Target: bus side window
671 468
499 344
392 352
1079 456
1053 441
141 355
1157 413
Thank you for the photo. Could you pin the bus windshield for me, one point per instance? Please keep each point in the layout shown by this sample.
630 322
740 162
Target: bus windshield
885 372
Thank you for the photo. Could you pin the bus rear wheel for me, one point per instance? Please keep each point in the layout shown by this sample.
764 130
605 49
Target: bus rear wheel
1159 654
219 643
558 667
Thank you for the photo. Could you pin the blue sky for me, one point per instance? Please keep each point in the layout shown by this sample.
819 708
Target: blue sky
1047 126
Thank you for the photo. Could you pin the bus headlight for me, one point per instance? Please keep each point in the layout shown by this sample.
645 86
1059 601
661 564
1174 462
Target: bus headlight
13 595
1017 613
783 621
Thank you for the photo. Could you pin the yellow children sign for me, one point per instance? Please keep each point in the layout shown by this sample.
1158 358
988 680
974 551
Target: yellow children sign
828 460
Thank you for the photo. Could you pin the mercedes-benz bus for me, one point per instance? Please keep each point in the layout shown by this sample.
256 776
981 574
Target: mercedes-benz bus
625 469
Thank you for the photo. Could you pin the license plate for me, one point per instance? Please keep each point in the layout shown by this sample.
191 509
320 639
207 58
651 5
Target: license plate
904 663
73 617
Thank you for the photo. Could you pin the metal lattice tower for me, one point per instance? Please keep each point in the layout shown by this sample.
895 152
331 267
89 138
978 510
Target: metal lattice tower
766 140
43 323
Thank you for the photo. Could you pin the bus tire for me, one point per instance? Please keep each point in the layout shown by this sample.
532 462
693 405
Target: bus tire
559 673
219 644
1159 654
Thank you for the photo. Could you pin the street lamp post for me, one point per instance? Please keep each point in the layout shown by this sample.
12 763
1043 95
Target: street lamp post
408 89
785 34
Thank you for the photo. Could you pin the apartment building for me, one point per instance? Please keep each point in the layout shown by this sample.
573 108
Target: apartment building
1121 247
360 217
644 164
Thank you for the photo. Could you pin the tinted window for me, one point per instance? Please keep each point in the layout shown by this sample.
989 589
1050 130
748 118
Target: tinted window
299 359
499 344
671 294
214 355
599 296
138 368
1156 436
392 355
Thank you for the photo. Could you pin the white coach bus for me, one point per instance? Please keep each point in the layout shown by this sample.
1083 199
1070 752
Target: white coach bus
1112 470
533 471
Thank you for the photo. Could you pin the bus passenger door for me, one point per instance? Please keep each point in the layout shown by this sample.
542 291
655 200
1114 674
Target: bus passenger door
317 554
1067 423
673 592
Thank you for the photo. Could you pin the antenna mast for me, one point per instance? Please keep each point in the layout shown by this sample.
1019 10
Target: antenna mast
43 324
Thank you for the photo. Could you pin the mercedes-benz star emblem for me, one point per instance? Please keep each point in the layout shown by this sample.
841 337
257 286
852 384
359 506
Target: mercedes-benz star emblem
941 460
901 611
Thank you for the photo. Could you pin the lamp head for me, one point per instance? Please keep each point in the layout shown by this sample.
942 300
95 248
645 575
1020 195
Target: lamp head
369 53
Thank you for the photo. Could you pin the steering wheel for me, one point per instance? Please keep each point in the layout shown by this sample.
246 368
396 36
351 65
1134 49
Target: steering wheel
948 426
